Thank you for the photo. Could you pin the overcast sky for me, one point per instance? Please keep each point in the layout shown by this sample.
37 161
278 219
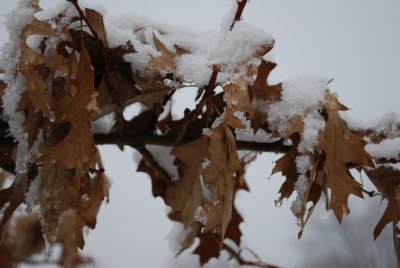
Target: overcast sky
355 42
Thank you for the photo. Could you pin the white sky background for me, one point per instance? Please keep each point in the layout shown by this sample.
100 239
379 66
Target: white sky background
355 42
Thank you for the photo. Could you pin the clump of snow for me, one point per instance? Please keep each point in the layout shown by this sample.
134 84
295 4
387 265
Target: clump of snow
205 192
50 14
300 96
301 187
163 156
200 215
246 123
388 124
230 50
303 163
388 148
313 122
219 120
206 163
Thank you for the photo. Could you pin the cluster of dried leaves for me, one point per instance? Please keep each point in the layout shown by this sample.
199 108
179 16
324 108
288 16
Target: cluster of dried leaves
76 78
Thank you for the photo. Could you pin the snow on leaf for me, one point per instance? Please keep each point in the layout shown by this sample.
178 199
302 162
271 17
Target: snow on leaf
164 63
263 93
341 148
237 101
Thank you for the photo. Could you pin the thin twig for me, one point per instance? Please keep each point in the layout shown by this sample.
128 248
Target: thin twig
236 255
239 11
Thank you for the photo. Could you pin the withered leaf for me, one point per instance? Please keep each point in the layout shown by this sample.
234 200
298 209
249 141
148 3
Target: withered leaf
164 63
263 93
287 166
78 146
96 21
237 99
218 178
261 90
387 181
341 148
208 248
186 195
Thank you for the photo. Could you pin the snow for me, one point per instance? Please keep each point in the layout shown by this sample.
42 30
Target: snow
301 187
206 163
300 96
387 124
205 192
388 148
313 122
227 49
200 215
218 121
303 163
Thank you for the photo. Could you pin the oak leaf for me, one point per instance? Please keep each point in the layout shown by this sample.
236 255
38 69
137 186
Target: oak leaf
78 146
387 181
186 195
341 147
219 179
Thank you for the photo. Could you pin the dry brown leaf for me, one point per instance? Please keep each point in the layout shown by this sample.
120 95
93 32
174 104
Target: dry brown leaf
341 148
287 166
264 93
78 146
186 195
96 21
208 248
59 192
387 181
219 179
27 239
15 195
159 183
164 63
261 90
237 99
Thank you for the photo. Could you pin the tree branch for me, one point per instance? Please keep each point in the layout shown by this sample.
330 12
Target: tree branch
140 140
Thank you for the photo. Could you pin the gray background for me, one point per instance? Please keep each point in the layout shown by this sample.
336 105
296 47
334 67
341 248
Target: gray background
355 42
